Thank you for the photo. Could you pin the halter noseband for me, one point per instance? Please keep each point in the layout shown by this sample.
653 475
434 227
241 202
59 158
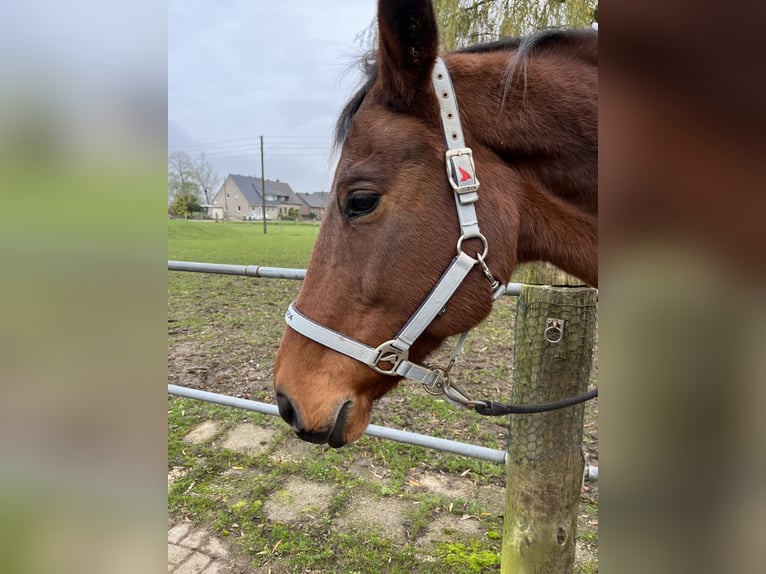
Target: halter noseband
391 357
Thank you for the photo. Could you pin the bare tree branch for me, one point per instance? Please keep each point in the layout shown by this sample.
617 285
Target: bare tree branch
462 22
204 176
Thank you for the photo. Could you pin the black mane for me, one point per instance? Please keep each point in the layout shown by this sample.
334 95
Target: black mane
522 46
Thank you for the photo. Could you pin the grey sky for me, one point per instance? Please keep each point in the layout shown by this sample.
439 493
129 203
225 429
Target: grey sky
241 68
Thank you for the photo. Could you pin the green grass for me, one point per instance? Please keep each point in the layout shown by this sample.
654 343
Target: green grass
209 307
241 243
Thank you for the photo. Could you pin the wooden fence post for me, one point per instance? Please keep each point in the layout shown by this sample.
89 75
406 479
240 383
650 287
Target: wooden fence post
545 460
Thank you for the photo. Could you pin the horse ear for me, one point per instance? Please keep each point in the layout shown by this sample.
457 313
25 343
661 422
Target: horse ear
408 45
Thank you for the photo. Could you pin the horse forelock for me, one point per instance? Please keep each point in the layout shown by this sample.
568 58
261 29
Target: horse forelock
369 67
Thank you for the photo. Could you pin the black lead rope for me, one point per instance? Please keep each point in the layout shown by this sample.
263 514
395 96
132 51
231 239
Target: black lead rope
493 409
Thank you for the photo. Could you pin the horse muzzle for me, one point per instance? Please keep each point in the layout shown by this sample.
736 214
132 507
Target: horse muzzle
332 434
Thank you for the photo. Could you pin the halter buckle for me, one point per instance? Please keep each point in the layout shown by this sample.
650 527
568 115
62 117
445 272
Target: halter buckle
461 173
388 352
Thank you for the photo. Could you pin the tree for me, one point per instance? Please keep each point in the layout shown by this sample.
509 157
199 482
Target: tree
180 176
190 176
204 177
185 205
466 22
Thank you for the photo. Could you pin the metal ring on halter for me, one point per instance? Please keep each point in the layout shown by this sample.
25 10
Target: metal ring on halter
480 237
436 386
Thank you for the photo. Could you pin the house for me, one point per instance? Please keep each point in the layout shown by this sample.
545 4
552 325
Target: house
315 203
240 195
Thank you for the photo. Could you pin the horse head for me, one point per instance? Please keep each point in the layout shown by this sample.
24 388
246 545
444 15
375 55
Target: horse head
391 227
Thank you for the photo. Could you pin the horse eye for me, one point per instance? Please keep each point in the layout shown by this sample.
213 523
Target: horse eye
361 203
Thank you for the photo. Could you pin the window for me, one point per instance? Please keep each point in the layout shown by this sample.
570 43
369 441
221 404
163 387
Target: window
239 208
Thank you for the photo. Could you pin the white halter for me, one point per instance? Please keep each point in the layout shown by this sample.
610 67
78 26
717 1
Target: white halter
391 357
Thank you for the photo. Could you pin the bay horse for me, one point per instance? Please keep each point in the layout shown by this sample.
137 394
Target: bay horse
395 218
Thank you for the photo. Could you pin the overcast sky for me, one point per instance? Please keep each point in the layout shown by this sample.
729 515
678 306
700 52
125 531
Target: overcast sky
238 69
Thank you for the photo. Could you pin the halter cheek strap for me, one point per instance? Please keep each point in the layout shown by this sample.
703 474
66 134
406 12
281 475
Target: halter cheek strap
461 171
391 357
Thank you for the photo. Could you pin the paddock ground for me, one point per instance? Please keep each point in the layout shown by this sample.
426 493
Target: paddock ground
241 484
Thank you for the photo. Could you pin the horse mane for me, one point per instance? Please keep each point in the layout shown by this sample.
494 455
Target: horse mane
369 67
575 42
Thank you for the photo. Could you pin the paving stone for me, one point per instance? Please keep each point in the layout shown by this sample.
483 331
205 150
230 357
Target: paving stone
194 564
215 548
195 550
297 499
295 450
177 554
385 517
216 567
203 432
248 438
195 539
179 531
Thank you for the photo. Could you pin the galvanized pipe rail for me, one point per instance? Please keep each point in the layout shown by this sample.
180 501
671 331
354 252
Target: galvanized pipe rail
269 272
245 270
426 441
407 437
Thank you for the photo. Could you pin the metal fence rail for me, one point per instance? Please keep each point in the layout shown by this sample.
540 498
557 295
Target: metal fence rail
426 441
269 272
245 270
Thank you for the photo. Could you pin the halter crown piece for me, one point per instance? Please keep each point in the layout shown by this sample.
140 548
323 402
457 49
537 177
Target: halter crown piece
391 357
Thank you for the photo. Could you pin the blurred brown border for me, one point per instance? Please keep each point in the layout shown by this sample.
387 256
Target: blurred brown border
681 317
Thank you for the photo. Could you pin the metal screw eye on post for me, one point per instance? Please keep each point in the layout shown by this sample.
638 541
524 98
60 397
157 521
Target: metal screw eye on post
554 330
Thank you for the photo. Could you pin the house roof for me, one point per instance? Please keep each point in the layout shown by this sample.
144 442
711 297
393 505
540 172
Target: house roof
251 189
317 199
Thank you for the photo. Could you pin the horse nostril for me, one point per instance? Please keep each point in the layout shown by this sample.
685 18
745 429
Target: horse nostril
286 410
336 438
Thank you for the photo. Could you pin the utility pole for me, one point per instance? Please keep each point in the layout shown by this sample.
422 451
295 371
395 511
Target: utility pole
263 191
